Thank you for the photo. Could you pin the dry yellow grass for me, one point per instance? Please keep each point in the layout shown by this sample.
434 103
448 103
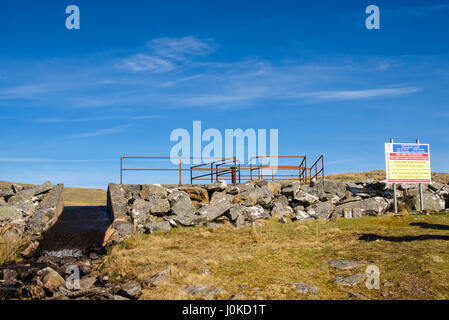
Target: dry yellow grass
378 175
269 258
84 197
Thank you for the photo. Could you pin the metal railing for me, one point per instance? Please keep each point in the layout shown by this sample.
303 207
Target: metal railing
230 169
315 166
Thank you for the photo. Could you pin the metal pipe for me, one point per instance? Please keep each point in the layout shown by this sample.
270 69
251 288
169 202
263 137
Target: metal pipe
394 191
421 198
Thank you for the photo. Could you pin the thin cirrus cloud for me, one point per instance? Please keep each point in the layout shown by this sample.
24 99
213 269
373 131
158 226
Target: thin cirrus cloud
74 120
181 48
165 54
143 62
363 94
101 132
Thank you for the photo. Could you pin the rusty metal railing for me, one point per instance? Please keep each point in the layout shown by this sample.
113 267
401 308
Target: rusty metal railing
180 168
230 169
300 169
315 166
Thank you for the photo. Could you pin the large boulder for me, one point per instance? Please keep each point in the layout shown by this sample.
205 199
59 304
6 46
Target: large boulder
157 226
371 207
431 201
196 193
120 229
48 212
50 279
289 189
256 212
305 198
139 211
159 206
257 195
219 205
217 186
10 213
117 202
153 191
238 188
279 209
181 205
329 189
321 210
274 187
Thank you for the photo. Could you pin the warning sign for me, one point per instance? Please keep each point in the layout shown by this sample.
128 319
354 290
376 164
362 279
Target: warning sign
407 163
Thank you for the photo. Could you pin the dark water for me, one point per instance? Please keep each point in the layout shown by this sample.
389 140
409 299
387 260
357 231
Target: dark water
77 228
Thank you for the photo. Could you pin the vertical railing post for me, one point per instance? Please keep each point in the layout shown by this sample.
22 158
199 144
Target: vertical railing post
322 165
121 170
180 171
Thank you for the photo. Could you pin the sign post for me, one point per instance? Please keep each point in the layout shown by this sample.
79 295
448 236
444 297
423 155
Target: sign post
407 163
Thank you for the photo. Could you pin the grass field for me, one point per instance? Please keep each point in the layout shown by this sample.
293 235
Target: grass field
378 175
262 262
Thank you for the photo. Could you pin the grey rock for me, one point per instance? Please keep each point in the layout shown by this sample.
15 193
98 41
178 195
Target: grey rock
117 203
357 296
10 213
157 226
305 288
274 187
87 282
6 192
217 186
237 296
300 215
159 206
283 220
153 190
352 280
256 212
241 187
219 205
432 202
202 290
344 264
280 210
305 198
181 204
290 189
159 277
131 289
321 209
139 211
372 206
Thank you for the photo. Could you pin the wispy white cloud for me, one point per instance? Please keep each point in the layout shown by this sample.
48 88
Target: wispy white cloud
93 119
23 91
101 132
165 54
143 62
362 94
181 48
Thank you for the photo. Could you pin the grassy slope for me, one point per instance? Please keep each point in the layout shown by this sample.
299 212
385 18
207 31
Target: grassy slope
271 257
379 175
95 197
76 196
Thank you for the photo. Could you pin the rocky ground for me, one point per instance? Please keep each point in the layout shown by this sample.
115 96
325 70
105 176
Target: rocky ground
42 271
148 208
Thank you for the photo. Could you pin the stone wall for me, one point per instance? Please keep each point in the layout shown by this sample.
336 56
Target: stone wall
27 212
147 208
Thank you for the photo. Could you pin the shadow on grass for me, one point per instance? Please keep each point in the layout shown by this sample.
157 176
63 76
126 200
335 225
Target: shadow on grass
373 237
430 225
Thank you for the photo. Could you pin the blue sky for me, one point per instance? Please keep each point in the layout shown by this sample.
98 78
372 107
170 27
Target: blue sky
73 101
